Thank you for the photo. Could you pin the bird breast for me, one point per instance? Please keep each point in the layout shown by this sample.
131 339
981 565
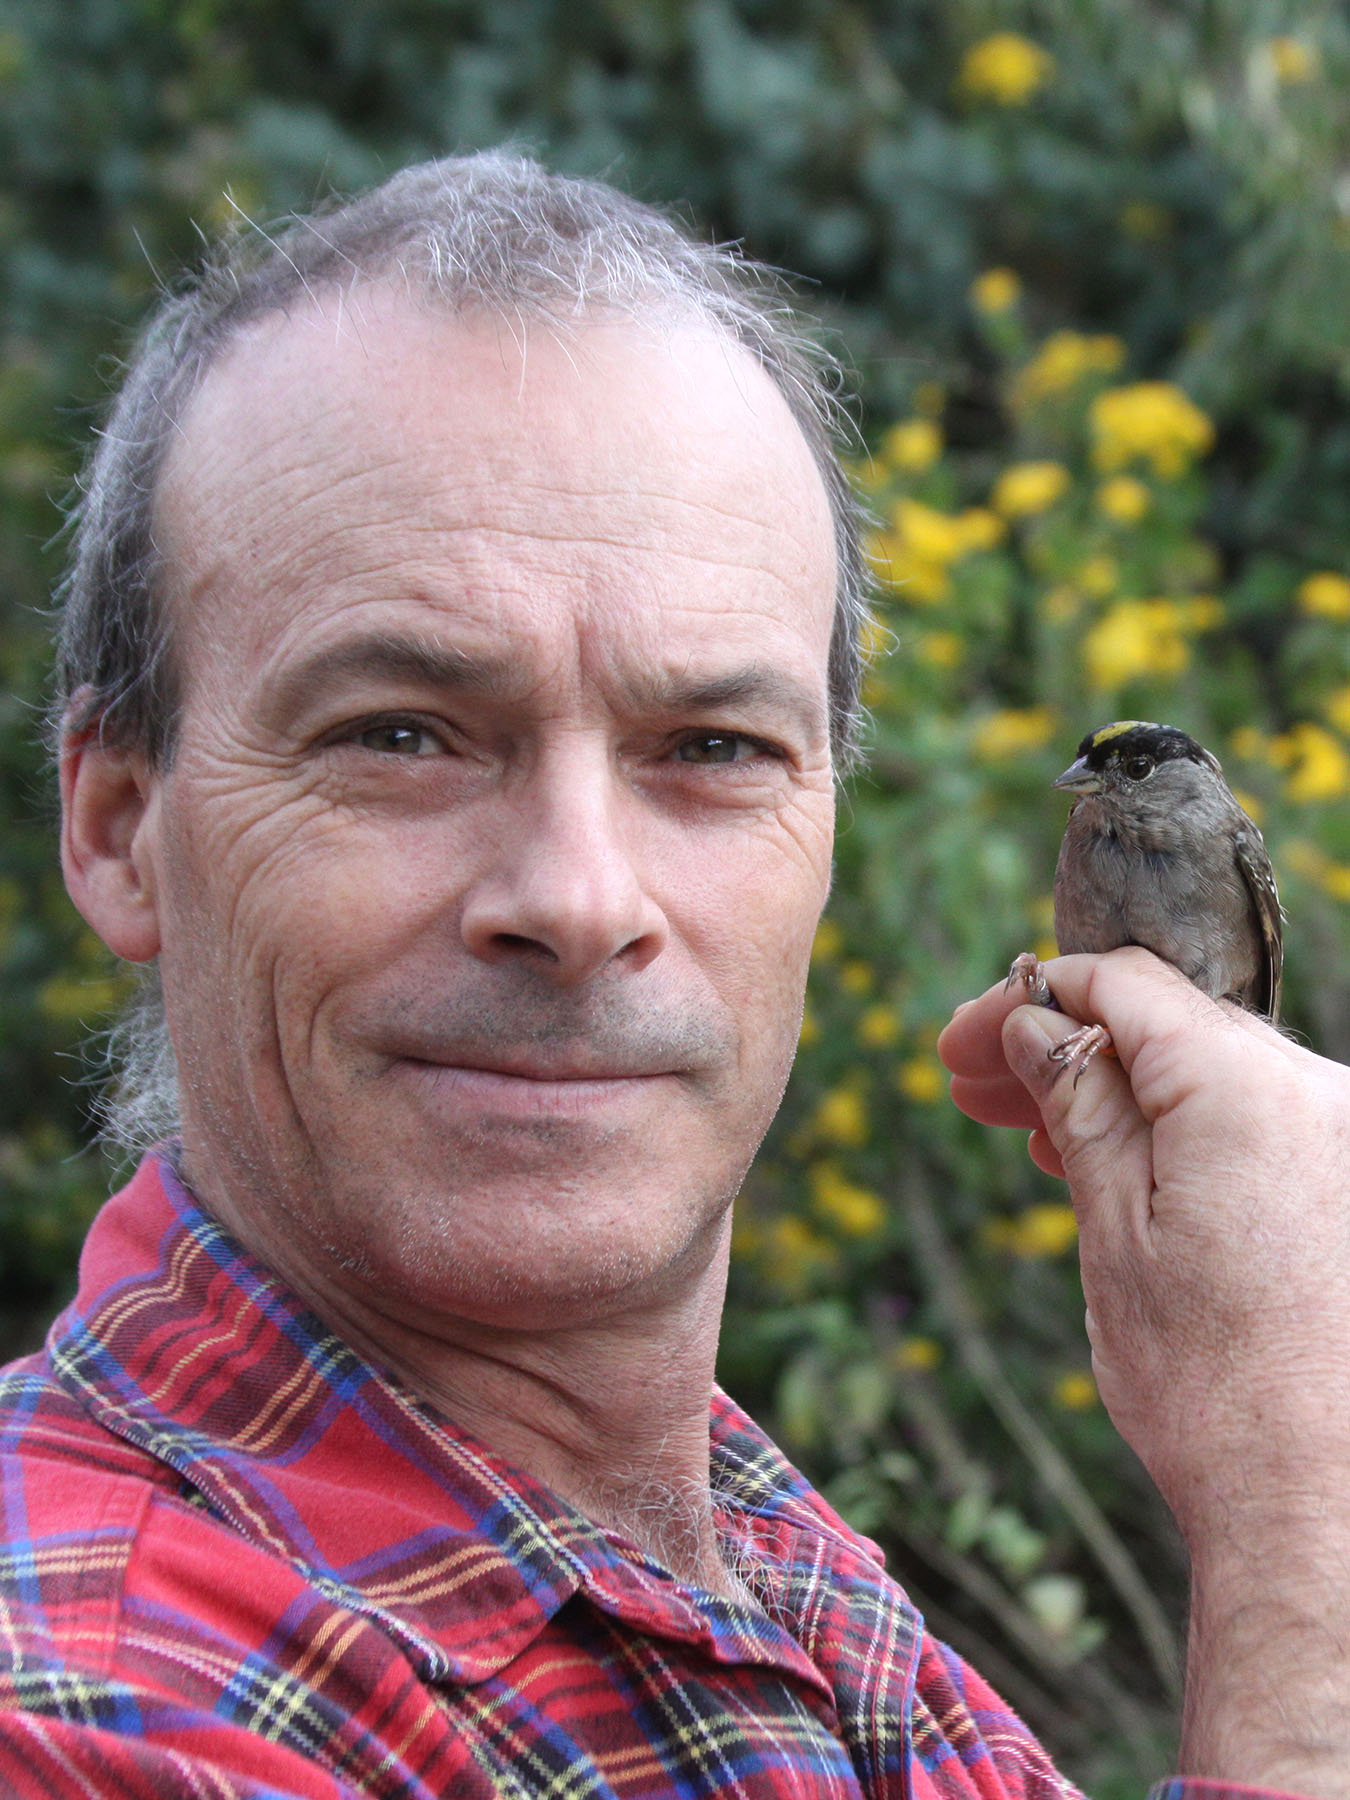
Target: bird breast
1116 884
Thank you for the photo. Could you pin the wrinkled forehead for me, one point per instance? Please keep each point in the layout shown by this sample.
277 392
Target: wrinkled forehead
366 433
355 373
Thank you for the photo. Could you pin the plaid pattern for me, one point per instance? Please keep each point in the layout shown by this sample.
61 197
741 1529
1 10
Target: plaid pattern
238 1561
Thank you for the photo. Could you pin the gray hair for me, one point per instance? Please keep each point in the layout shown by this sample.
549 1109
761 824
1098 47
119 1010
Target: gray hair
493 232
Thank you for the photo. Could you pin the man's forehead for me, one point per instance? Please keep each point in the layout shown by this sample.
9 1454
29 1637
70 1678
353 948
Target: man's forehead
373 358
368 449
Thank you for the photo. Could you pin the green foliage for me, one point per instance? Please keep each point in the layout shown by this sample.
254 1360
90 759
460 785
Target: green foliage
1010 210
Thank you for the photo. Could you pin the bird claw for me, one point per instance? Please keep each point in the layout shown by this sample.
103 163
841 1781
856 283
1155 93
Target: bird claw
1079 1048
1027 969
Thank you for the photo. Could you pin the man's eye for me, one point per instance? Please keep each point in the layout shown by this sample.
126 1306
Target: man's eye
399 737
718 747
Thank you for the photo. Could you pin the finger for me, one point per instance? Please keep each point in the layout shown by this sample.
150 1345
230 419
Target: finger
1146 1004
1093 1125
998 1100
1044 1154
971 1042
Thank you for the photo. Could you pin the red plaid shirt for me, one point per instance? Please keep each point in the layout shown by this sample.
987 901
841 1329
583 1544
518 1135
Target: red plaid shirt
238 1561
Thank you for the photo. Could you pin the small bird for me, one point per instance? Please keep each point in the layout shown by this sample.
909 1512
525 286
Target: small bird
1158 852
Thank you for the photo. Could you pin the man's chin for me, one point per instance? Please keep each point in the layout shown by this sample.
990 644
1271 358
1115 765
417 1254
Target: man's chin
533 1255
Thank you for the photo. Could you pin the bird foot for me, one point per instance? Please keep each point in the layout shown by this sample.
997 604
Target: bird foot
1027 969
1078 1049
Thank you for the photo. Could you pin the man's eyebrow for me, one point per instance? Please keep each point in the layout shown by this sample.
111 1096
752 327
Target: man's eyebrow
754 684
389 657
386 656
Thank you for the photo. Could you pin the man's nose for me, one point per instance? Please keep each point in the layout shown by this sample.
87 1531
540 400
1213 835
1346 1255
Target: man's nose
562 881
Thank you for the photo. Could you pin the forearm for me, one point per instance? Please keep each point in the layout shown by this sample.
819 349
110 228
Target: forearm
1268 1663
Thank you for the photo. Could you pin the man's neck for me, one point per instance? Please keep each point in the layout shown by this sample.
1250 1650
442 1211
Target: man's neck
614 1417
612 1414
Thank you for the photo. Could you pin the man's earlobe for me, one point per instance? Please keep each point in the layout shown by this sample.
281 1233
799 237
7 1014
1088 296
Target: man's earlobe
107 808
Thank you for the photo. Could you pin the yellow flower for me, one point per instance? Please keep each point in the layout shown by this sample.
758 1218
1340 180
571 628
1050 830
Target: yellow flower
996 291
1098 576
841 1117
1324 595
912 446
855 977
918 1353
921 1080
1138 638
1029 488
1061 604
1149 421
1046 1229
915 579
1076 1391
1005 68
1145 221
1319 767
794 1254
827 943
868 474
1251 745
1337 708
1063 360
878 1027
746 1238
1124 499
928 534
1202 612
914 556
980 529
854 1210
70 1000
1013 732
1293 61
944 649
810 1029
1302 858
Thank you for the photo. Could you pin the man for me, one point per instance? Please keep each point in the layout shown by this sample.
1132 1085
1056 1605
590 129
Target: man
457 659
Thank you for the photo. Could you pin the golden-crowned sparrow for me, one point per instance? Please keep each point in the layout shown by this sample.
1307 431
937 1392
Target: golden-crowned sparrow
1158 852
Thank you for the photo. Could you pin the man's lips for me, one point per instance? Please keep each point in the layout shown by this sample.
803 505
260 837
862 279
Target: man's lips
537 1068
534 1091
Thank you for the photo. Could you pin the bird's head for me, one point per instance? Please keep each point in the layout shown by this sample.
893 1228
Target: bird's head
1140 766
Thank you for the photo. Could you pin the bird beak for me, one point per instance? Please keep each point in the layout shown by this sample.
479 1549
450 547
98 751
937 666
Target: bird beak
1079 779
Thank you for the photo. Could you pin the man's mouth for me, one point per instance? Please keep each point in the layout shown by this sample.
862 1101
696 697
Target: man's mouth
534 1090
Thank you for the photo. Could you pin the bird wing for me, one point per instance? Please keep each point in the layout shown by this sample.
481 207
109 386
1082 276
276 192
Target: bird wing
1260 878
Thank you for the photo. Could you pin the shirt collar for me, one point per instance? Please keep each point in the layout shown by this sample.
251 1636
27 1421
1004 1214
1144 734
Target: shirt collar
182 1344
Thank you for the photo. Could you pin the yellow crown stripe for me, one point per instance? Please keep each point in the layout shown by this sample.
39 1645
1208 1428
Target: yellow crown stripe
1119 729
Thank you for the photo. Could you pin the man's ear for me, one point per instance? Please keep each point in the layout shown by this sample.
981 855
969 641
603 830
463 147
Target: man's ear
107 823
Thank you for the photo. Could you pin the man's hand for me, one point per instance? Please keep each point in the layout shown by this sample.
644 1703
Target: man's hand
1209 1166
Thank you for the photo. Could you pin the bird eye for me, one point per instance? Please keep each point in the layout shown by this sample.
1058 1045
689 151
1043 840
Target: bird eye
1138 768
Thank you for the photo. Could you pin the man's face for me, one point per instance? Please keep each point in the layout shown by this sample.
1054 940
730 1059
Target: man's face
500 817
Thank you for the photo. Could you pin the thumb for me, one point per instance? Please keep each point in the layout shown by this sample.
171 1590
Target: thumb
1100 1140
